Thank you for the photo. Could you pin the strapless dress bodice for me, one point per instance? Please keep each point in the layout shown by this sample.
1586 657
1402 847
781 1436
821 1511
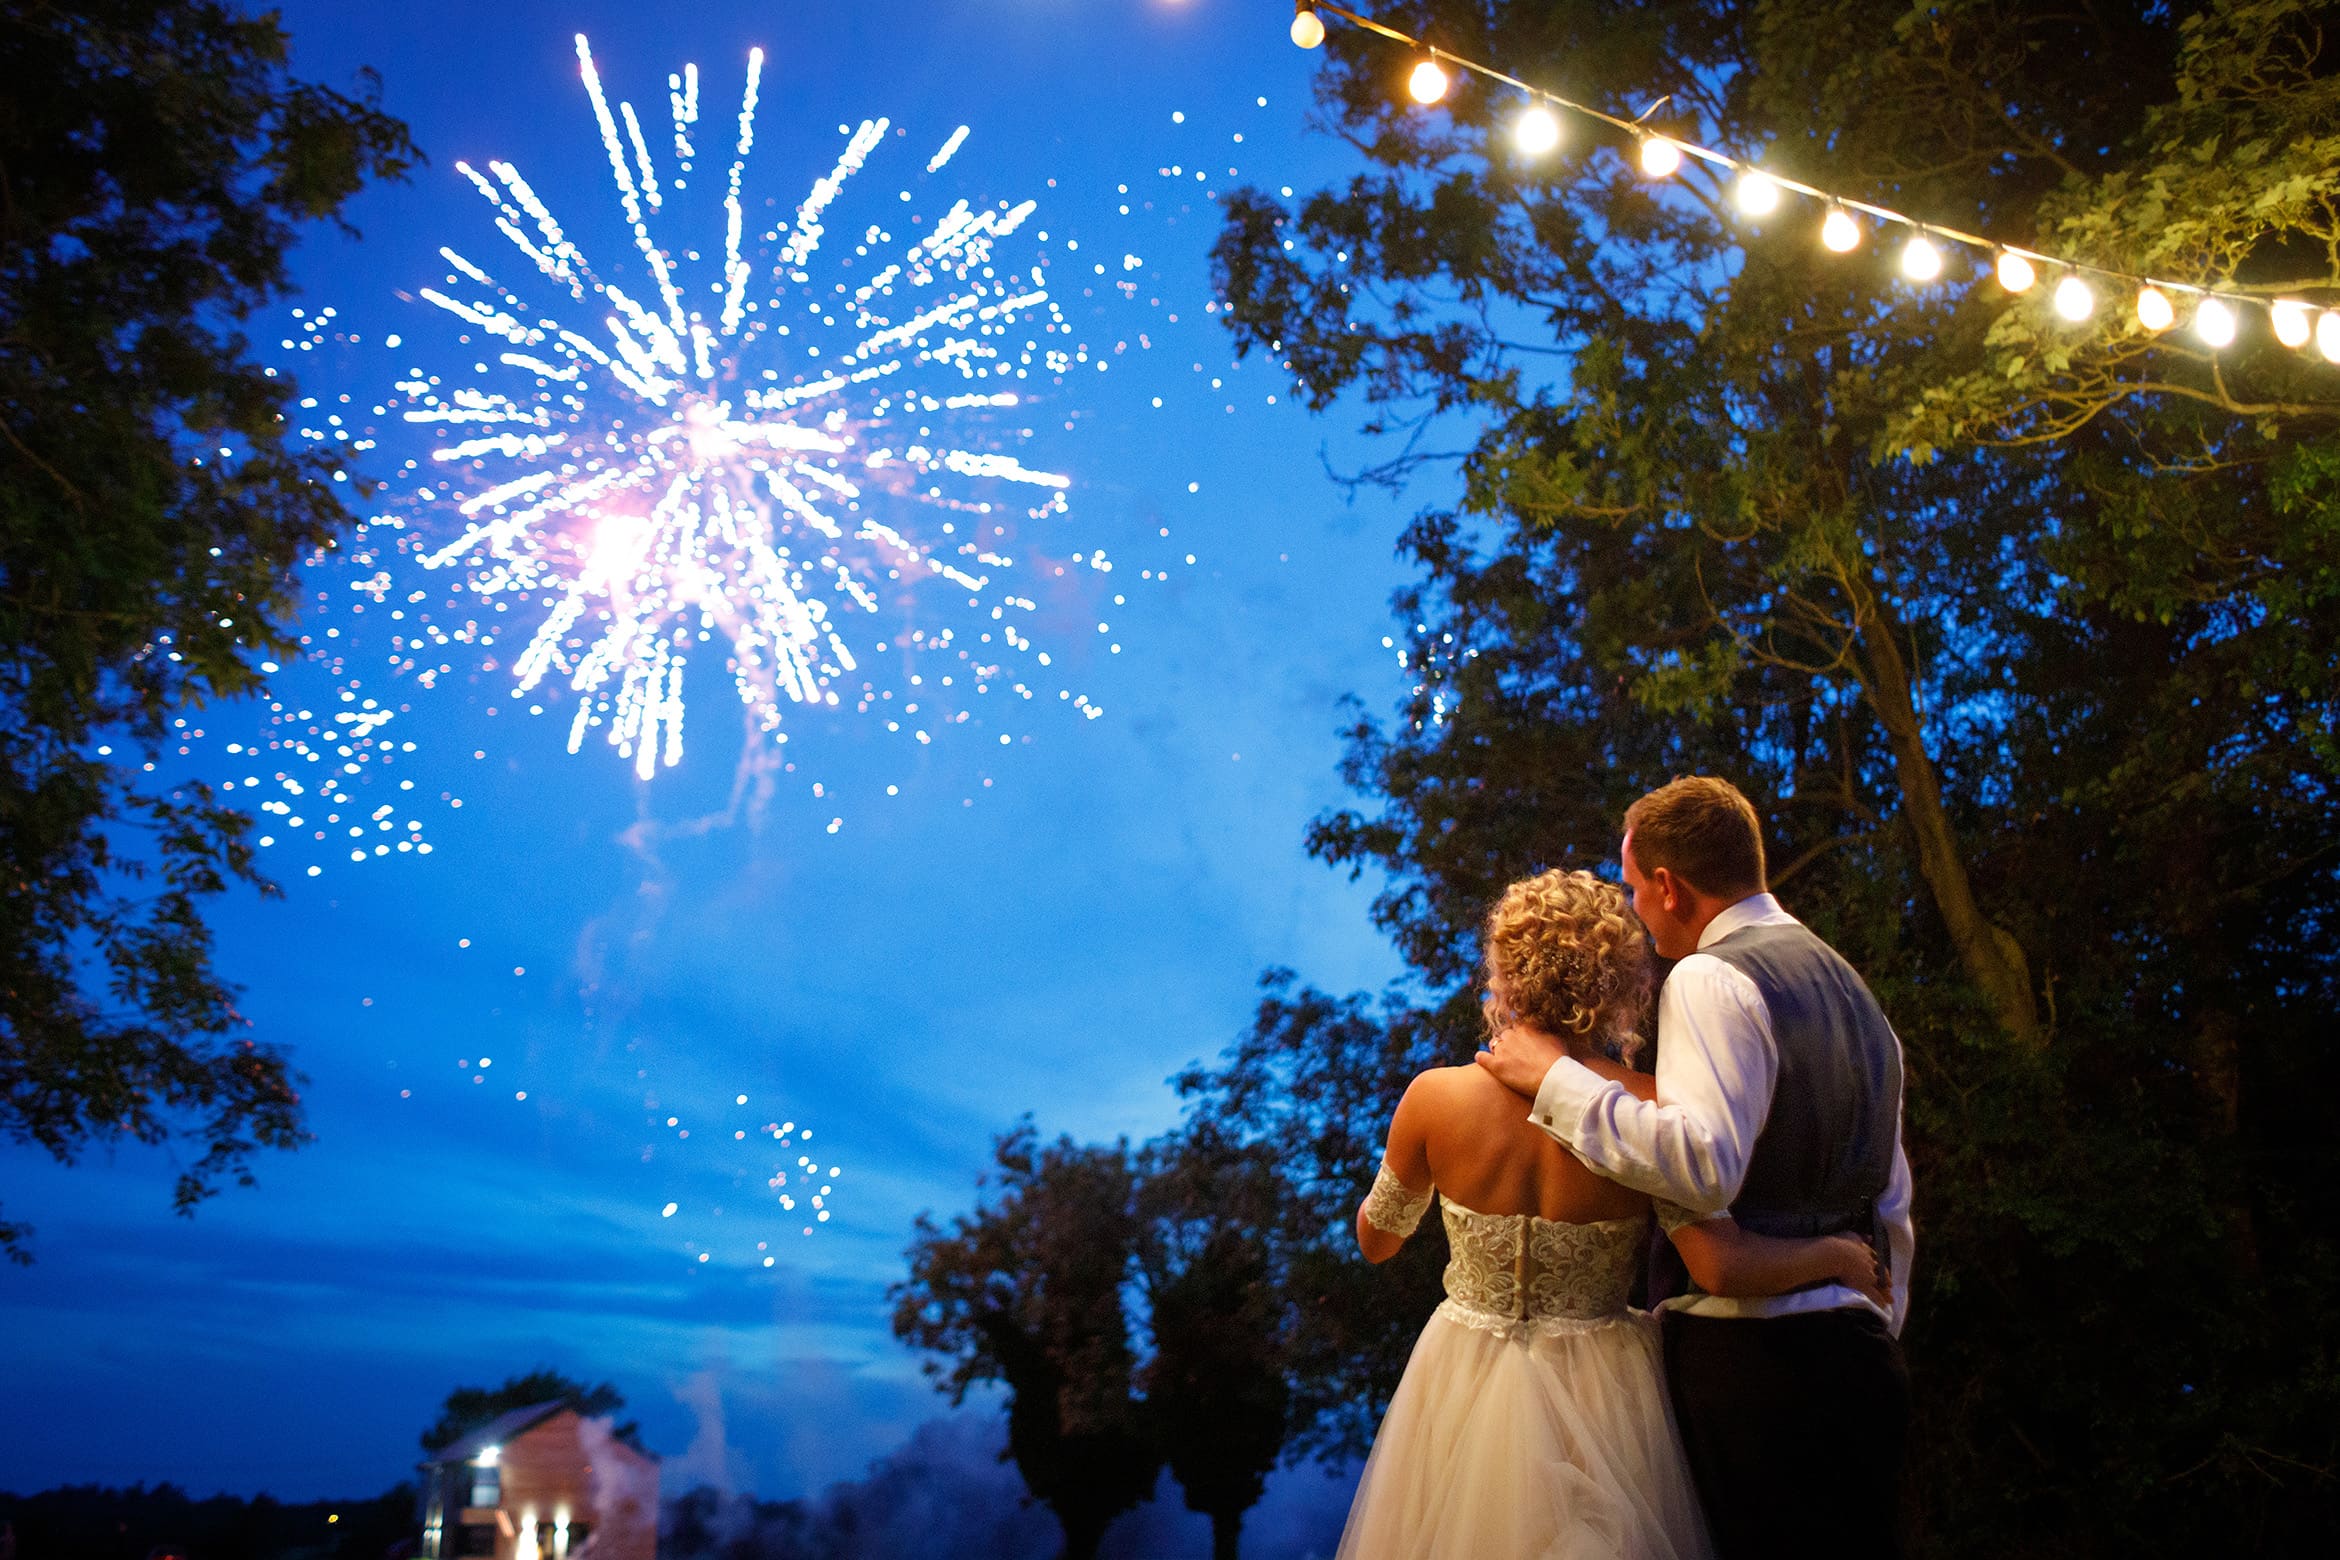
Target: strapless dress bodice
1514 1272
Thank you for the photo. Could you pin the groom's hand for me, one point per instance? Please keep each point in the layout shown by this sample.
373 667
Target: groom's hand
1519 1057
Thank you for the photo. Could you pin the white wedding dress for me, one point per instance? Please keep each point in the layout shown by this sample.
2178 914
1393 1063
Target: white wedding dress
1532 1420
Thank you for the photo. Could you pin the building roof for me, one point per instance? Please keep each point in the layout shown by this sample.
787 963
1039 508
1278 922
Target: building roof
519 1421
497 1431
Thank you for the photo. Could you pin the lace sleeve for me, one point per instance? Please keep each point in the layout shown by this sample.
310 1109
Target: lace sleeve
1390 1208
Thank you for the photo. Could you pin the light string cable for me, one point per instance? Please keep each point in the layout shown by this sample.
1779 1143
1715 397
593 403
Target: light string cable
1759 190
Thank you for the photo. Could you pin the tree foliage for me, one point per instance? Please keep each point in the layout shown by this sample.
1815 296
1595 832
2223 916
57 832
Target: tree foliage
1209 1263
1028 1292
156 161
2022 636
1136 1308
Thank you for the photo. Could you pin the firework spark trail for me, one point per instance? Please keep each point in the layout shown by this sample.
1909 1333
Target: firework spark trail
656 476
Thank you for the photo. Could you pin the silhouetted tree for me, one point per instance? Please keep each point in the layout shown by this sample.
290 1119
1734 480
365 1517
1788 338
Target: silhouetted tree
1209 1209
1029 1291
156 159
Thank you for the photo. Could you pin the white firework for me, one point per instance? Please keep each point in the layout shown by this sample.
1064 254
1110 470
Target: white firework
658 473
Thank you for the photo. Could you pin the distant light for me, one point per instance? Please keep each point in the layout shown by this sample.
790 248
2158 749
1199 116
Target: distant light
1307 26
1920 260
1839 233
1428 83
2214 323
2290 317
488 1455
2015 272
1758 193
2328 335
1536 132
2075 299
1659 157
2153 309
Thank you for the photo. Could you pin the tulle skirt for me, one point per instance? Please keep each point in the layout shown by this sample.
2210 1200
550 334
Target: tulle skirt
1552 1442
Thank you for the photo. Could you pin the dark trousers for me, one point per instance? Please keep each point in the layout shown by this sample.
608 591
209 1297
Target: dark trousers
1796 1428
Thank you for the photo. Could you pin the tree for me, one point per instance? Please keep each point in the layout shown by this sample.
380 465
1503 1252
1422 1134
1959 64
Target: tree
2022 637
156 161
1216 1386
1028 1292
1313 1083
468 1408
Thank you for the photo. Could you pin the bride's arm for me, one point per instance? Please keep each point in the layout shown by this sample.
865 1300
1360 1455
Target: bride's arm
1727 1260
1401 1189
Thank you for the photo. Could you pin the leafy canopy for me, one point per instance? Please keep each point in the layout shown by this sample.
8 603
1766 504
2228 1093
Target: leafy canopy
156 162
2022 637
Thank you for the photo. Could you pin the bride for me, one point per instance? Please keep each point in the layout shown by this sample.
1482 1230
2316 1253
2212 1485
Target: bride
1532 1418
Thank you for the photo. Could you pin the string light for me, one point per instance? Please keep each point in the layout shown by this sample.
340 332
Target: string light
2214 323
1921 261
1759 193
2075 299
1839 233
2290 318
1428 83
1536 131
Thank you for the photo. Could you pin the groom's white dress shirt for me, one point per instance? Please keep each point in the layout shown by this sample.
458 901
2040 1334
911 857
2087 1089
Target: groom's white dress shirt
1717 1066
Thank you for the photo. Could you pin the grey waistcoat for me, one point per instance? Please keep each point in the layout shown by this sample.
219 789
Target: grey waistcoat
1826 1150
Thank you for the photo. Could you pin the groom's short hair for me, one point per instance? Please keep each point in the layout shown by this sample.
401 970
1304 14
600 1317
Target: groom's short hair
1704 831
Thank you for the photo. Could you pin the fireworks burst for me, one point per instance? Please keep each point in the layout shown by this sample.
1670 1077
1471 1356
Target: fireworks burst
657 472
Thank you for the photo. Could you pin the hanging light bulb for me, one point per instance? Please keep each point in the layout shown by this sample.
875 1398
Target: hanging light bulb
1536 131
2015 272
1921 261
1307 26
2153 310
1758 193
1659 156
1428 82
1839 233
2290 318
2075 300
2328 335
2214 323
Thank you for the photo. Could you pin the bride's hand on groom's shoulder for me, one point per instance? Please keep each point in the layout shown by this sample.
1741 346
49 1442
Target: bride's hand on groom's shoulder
1519 1056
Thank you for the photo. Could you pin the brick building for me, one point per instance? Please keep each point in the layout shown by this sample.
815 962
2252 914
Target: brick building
540 1483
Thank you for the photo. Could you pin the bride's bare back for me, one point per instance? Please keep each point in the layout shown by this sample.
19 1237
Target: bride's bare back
1459 1128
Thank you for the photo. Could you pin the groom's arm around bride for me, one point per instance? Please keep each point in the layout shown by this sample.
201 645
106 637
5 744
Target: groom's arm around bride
1778 1101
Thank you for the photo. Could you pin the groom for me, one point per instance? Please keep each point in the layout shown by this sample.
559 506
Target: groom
1779 1104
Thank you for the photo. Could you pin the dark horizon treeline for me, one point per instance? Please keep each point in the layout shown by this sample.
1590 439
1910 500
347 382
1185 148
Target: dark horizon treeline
94 1522
944 1491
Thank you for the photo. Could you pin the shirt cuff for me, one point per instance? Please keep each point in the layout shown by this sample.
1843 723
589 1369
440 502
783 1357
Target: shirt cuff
1672 1216
1567 1093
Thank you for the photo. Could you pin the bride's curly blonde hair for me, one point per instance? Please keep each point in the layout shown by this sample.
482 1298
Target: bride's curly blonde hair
1571 956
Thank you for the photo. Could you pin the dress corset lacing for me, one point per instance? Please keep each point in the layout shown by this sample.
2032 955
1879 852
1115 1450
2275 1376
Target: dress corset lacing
1514 1274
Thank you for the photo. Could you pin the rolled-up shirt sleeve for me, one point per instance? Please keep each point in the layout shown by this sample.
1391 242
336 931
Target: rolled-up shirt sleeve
1900 1233
1717 1067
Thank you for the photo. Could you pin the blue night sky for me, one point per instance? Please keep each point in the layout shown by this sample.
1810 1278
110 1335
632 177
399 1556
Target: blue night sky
1053 925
